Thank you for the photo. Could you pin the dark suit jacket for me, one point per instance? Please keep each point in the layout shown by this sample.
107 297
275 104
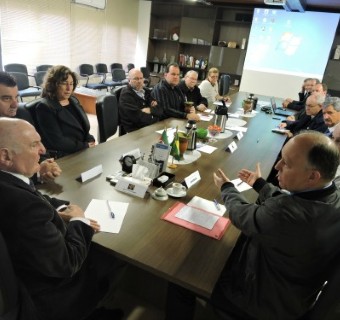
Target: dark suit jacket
299 105
48 256
305 122
61 132
193 95
130 110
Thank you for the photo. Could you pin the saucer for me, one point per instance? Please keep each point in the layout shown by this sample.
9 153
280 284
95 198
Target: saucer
170 192
162 198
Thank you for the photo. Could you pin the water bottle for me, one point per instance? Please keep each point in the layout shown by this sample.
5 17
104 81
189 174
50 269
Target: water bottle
221 116
192 135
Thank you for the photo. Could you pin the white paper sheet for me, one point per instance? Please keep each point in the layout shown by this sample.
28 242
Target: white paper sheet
207 205
240 185
198 217
206 149
99 211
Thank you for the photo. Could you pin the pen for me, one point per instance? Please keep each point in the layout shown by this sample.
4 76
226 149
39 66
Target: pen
217 205
276 118
239 183
110 210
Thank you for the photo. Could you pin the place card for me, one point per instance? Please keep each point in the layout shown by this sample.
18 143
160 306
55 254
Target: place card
192 179
232 147
239 135
89 174
132 186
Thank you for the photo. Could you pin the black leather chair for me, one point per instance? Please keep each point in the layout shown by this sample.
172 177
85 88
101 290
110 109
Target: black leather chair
24 87
119 76
24 114
116 66
117 93
39 77
150 80
86 70
130 66
43 67
107 116
224 85
15 302
16 67
102 70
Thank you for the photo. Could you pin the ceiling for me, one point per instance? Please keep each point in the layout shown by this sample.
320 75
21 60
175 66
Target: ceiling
312 5
324 5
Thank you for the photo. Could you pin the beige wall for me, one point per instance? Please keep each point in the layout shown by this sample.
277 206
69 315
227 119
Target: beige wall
59 32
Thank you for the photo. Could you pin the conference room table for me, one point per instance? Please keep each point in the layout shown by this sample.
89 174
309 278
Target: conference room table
174 253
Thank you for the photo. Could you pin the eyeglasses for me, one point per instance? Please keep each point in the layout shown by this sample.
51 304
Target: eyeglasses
65 84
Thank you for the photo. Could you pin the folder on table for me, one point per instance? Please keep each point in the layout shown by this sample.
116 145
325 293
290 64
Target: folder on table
197 220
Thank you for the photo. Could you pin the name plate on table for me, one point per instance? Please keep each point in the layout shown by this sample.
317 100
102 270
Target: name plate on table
239 135
192 179
232 147
89 174
132 186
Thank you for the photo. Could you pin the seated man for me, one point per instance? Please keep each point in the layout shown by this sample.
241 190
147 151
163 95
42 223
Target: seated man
137 108
65 274
306 91
288 239
192 92
331 113
49 169
170 97
312 120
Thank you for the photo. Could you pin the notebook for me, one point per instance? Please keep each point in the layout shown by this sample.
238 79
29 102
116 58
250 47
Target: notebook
278 110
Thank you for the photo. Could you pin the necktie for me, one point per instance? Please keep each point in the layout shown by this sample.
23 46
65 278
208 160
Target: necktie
32 186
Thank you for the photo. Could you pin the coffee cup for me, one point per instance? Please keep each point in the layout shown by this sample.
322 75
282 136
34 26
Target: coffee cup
177 188
160 192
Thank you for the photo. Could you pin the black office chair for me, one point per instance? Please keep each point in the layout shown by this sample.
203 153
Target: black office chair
224 85
43 67
102 70
39 77
107 116
116 66
24 88
117 92
150 80
86 70
24 114
15 302
16 67
119 77
130 66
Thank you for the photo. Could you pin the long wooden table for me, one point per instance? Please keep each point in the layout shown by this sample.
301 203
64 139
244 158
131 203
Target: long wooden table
174 253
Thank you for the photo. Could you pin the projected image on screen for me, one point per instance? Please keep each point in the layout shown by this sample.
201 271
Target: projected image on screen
290 42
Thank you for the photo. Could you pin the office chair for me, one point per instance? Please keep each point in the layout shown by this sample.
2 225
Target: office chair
16 67
43 67
117 92
107 116
116 66
119 76
130 66
150 80
86 70
24 114
15 302
102 70
39 77
24 88
224 85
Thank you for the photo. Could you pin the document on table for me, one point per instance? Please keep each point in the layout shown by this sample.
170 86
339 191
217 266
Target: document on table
98 210
207 205
207 149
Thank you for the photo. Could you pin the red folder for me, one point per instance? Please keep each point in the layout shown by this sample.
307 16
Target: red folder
216 232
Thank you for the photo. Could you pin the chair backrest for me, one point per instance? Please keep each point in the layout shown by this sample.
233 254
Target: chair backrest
327 306
43 67
224 85
86 69
16 67
39 77
31 107
101 68
146 72
21 79
24 114
118 74
130 66
15 302
107 116
117 92
116 66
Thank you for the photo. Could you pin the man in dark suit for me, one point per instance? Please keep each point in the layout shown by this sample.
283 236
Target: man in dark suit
49 169
137 108
288 239
49 240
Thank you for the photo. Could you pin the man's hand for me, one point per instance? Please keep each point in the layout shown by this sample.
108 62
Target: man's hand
282 125
146 110
193 116
92 144
49 170
250 177
201 107
220 178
